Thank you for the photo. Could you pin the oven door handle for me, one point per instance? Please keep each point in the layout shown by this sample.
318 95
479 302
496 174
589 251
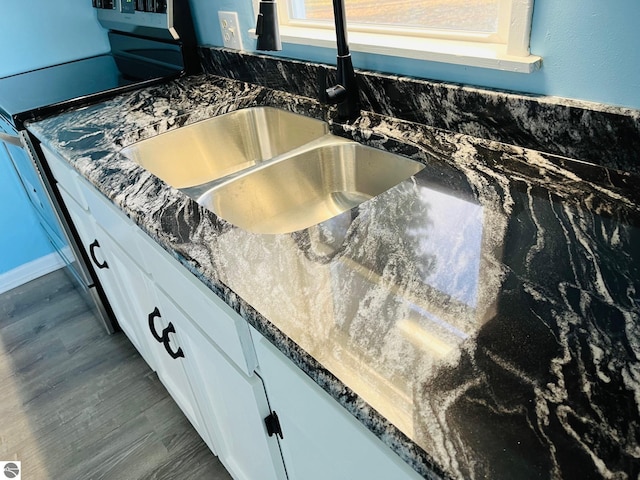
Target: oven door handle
12 139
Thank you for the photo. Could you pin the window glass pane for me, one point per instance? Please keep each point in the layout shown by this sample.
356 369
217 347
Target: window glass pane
466 15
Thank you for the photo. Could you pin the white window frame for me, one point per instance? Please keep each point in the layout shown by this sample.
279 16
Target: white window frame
507 50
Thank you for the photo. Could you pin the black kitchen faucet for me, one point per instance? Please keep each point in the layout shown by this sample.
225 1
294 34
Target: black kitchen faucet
345 93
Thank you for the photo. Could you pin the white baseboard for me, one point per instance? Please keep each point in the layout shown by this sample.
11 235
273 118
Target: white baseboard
30 271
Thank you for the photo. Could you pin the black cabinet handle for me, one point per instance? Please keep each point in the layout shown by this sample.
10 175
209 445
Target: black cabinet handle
152 316
92 252
165 334
164 337
272 422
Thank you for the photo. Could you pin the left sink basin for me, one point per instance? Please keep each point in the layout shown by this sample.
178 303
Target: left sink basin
217 147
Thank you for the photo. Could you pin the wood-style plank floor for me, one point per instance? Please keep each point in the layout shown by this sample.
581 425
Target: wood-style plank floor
76 403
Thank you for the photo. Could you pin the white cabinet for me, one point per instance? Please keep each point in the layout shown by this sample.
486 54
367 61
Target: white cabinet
167 324
201 350
221 363
132 291
142 311
157 320
236 406
215 318
320 439
225 376
95 244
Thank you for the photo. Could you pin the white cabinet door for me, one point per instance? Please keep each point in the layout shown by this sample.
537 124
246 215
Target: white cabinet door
104 267
143 312
135 292
166 323
234 406
320 439
215 318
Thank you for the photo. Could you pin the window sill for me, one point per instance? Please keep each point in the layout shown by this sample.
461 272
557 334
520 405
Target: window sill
473 54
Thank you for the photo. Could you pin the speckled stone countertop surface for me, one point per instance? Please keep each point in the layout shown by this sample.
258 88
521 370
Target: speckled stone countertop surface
481 318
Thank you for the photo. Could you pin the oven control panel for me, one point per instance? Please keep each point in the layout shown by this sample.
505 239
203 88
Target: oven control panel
156 6
132 6
152 18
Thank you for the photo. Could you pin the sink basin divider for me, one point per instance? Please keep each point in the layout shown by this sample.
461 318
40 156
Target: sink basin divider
197 191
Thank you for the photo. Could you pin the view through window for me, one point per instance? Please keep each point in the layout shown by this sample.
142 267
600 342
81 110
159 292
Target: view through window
461 15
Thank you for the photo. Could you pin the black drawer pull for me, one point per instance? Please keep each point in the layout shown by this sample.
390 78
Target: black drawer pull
164 337
152 316
165 334
92 252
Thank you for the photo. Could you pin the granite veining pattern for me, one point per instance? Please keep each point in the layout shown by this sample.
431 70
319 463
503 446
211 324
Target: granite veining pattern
481 318
575 129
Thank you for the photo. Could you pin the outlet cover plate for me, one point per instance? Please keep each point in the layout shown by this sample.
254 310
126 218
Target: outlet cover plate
230 28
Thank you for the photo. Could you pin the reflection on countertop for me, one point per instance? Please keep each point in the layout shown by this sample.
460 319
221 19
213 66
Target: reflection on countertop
486 308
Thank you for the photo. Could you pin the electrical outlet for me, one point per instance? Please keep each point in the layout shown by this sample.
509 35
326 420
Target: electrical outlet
230 30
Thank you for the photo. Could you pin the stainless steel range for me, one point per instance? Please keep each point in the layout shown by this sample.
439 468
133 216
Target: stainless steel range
151 41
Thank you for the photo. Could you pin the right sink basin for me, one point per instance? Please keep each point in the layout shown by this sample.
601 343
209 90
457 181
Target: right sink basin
307 186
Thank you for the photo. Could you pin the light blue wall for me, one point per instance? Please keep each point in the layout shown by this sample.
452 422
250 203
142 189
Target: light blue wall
589 49
37 33
34 34
21 238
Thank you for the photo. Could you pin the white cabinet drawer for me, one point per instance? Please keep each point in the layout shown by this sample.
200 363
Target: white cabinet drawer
216 319
88 197
111 219
65 175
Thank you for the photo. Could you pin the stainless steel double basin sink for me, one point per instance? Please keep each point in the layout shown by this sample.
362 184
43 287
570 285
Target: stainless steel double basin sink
270 171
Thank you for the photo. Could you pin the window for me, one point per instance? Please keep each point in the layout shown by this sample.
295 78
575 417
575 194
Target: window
448 15
485 33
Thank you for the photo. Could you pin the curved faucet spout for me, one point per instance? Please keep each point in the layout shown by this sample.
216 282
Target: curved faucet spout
341 27
345 94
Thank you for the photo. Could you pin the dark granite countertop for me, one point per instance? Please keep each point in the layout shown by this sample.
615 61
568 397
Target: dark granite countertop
481 318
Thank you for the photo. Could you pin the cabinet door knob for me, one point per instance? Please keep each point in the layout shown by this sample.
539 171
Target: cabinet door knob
166 342
152 316
92 253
